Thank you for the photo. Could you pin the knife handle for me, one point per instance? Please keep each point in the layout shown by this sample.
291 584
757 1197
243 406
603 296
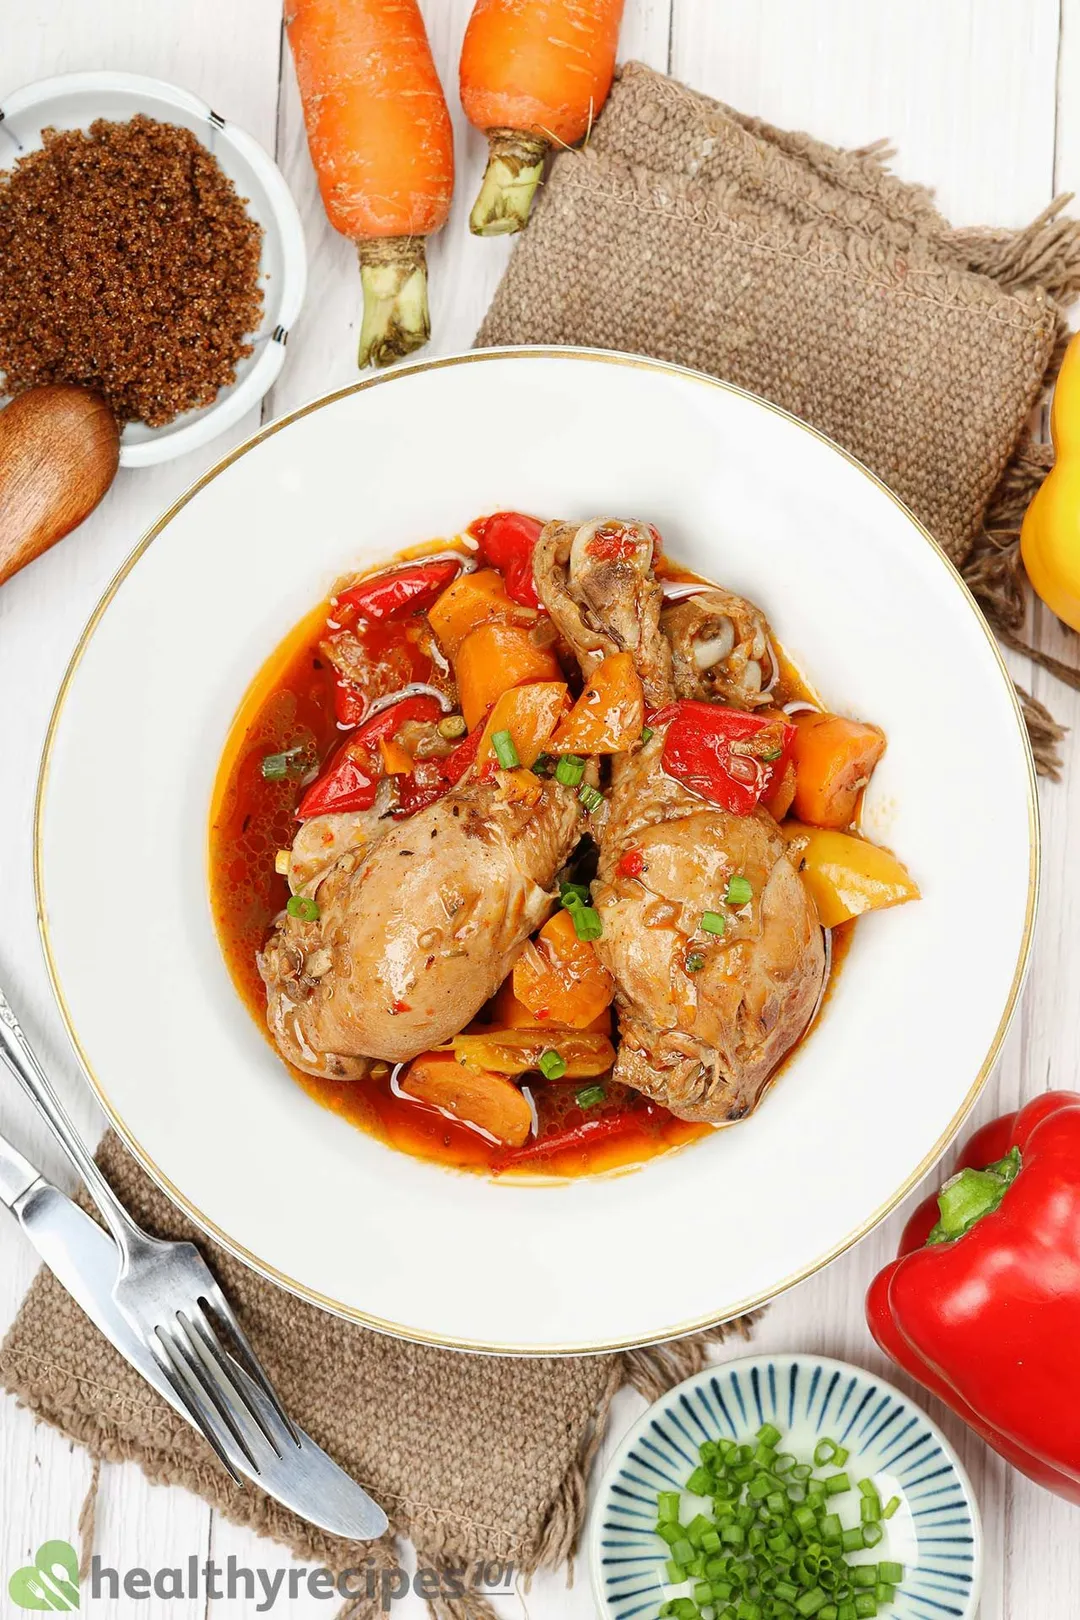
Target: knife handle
17 1055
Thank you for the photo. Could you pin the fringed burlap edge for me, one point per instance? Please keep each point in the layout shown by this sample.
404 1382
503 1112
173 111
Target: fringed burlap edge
652 1371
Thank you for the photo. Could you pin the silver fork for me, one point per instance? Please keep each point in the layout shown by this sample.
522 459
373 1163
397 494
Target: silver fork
167 1294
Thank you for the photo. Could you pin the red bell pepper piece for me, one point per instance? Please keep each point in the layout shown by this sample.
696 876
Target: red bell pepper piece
350 704
507 541
729 757
632 864
391 595
989 1319
350 780
431 778
606 1128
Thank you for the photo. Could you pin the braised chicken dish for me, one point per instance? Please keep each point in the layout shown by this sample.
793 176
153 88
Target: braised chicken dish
533 852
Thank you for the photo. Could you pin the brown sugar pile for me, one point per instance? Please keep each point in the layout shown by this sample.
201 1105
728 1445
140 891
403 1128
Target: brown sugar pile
128 263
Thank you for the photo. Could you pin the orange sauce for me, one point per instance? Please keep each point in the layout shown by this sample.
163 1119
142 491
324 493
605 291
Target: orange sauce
290 704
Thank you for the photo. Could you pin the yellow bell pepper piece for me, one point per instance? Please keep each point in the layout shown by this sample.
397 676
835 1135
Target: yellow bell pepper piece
1050 536
847 876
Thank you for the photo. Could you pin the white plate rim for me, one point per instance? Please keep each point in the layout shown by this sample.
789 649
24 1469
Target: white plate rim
337 1307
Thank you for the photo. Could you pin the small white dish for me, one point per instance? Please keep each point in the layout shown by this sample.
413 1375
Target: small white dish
858 595
935 1533
74 101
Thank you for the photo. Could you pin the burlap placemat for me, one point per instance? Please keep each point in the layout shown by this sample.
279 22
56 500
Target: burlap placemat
816 278
474 1458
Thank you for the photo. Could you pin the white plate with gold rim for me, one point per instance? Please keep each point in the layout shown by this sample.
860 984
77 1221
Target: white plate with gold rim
857 593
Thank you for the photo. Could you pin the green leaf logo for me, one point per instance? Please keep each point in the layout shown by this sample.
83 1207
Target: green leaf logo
50 1582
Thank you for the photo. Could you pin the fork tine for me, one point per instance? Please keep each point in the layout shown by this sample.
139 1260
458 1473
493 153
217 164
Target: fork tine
199 1331
216 1395
213 1297
219 1385
191 1402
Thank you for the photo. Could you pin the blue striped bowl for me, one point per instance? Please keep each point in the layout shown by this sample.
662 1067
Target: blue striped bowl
935 1533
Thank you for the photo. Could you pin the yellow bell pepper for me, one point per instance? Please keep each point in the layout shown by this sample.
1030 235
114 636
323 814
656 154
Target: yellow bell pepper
847 876
1050 536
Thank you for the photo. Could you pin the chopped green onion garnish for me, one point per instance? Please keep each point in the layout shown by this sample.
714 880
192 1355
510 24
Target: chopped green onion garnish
589 1097
646 733
811 1601
870 1510
889 1509
713 922
505 752
586 920
868 1488
303 909
590 797
841 1455
695 962
276 766
771 1549
570 770
574 894
667 1506
542 764
740 893
552 1066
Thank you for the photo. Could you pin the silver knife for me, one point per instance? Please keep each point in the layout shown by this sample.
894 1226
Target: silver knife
84 1260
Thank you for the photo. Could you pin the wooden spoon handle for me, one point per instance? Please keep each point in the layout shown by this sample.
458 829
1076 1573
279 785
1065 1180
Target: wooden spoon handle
59 451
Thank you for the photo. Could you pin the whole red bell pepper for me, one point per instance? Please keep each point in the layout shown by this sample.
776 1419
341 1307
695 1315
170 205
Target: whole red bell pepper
352 776
729 757
400 591
982 1305
507 542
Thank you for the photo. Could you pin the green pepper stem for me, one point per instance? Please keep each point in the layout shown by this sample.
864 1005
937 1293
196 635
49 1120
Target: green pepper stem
968 1196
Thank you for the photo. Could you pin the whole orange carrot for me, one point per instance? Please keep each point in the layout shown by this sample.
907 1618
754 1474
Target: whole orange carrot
380 138
534 73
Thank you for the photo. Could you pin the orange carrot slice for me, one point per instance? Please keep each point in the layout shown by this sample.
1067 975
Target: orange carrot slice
560 977
834 759
610 713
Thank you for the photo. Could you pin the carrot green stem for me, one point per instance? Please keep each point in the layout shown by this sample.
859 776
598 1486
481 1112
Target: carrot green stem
393 273
515 165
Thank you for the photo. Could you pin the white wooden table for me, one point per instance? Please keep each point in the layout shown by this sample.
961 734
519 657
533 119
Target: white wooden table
983 102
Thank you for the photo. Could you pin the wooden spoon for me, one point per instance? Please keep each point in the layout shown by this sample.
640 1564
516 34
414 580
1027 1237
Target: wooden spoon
59 451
